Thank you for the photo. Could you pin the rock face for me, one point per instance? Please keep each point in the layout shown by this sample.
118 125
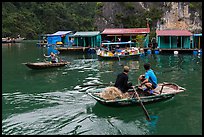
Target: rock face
176 15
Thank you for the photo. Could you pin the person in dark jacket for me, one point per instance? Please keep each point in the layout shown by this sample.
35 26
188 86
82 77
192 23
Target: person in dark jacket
122 80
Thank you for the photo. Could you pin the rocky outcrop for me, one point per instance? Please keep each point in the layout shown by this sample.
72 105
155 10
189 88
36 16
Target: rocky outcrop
176 15
179 18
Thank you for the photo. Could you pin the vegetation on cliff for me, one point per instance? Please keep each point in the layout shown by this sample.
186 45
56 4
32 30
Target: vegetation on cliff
29 19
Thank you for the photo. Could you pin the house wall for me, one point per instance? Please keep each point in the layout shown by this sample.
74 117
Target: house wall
186 42
92 41
164 42
173 42
169 42
196 42
98 40
53 39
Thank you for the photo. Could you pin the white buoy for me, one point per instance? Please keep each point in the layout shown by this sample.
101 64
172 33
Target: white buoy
176 52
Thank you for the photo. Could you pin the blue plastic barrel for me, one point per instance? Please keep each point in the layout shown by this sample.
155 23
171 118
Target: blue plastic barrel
156 52
149 51
195 52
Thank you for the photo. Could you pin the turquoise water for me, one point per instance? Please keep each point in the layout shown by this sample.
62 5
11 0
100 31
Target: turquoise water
50 102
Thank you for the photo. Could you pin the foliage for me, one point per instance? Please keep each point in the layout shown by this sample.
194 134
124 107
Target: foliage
196 7
29 19
33 18
140 40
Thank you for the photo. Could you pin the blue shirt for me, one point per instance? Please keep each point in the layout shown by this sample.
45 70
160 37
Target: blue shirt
151 77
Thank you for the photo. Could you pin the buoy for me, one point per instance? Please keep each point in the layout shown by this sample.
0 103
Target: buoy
176 52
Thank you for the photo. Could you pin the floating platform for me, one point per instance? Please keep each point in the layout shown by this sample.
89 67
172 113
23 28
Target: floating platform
158 51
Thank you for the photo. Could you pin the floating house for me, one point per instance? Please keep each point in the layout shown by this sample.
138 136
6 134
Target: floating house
173 39
197 41
126 35
90 39
82 42
60 37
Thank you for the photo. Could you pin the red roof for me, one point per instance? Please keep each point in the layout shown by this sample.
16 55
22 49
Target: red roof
173 33
126 31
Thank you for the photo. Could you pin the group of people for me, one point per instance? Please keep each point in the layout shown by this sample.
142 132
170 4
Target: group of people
148 79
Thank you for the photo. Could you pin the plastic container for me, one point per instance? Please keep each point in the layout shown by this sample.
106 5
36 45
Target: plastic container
149 51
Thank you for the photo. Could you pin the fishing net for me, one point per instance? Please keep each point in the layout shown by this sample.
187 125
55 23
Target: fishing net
112 93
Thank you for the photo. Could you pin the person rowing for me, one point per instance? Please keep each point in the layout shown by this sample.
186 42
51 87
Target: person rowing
52 57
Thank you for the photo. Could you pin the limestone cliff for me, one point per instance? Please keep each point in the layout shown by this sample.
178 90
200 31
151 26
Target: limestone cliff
163 15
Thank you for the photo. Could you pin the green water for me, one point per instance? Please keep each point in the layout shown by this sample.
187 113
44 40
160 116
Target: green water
50 102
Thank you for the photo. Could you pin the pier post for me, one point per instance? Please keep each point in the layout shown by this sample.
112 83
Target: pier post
198 42
84 42
193 42
77 41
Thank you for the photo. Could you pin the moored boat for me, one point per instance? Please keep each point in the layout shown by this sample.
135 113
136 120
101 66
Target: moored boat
45 65
163 91
118 51
12 40
119 57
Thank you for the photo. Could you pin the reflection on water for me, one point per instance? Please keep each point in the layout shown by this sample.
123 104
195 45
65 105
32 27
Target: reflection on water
52 101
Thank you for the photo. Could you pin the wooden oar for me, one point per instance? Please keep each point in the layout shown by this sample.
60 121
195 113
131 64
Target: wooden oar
105 84
144 109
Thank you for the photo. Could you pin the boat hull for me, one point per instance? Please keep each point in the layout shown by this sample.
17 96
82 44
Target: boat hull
146 99
121 57
45 65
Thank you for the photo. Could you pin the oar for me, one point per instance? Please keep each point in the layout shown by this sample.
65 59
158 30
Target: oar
119 61
105 84
144 109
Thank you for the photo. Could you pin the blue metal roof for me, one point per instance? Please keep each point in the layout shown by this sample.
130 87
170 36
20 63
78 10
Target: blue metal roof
197 34
60 33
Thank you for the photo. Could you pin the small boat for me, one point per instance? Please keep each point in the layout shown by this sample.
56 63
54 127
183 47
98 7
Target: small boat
117 51
163 91
12 40
45 65
18 40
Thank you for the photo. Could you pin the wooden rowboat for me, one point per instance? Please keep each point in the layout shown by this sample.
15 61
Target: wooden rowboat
45 65
163 91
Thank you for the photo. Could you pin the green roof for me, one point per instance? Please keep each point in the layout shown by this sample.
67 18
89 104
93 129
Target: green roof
86 33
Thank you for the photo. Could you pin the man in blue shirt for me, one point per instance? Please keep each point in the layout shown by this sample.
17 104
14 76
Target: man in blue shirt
149 79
